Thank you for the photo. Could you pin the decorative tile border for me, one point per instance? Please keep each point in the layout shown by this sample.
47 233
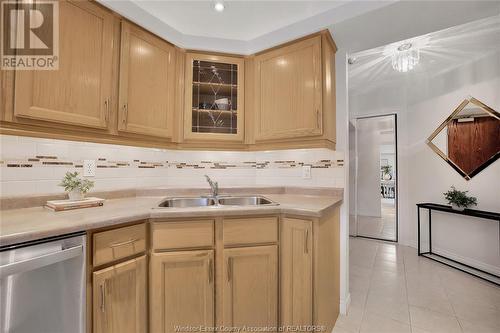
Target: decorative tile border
51 161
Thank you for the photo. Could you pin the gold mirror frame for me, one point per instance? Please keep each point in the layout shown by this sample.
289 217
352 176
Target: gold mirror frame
438 151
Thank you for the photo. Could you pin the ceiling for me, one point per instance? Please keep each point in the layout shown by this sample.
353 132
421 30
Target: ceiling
241 20
440 52
244 27
249 26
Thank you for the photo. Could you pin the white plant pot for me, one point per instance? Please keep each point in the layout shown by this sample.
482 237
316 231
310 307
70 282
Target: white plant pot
455 207
75 195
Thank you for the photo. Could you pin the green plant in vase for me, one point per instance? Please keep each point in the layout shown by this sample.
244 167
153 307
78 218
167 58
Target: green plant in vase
75 186
459 200
386 172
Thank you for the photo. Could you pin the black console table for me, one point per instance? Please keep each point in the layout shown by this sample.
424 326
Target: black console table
447 261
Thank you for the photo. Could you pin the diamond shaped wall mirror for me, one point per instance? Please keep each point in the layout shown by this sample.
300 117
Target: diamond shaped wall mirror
469 139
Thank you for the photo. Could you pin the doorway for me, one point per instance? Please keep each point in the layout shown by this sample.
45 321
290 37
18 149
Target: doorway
376 173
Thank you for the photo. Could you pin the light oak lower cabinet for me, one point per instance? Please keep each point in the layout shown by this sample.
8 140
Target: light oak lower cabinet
182 290
296 272
250 286
119 298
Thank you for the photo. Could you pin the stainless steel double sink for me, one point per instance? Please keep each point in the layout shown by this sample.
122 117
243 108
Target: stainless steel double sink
185 202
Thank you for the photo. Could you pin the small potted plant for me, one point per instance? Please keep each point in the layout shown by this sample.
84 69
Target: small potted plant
459 200
76 186
386 172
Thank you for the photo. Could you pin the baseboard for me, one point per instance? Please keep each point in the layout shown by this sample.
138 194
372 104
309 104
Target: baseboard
468 261
344 304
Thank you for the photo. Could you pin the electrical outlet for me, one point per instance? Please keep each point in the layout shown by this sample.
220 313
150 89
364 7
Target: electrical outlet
306 172
89 167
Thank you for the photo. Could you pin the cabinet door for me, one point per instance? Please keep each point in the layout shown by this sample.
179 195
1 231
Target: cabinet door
250 287
296 272
182 290
214 98
288 91
147 81
119 298
79 91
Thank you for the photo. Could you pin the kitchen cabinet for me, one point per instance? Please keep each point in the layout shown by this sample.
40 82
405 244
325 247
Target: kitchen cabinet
292 97
288 91
214 98
119 298
120 84
79 92
147 83
182 290
296 272
250 286
256 270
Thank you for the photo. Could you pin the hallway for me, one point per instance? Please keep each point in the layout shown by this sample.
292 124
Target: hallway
393 290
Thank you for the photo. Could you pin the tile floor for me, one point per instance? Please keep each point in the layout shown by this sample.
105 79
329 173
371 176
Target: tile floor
393 290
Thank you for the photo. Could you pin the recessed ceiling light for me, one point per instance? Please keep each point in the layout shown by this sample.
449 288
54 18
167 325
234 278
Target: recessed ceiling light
219 6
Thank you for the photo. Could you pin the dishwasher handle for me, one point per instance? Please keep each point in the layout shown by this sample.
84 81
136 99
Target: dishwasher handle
41 261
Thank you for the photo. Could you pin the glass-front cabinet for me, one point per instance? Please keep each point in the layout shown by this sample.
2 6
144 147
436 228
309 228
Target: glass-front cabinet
214 98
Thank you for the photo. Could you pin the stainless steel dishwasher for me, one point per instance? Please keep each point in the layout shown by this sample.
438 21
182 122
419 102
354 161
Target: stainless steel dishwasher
42 286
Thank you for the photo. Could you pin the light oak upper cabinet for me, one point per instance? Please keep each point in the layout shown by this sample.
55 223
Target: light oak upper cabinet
250 287
288 91
79 92
182 290
147 83
119 298
296 272
214 98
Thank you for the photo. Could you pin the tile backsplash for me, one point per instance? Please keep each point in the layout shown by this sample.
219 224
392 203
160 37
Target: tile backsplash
35 166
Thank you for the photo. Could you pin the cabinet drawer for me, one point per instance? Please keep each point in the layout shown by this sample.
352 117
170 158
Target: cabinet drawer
119 243
182 234
256 230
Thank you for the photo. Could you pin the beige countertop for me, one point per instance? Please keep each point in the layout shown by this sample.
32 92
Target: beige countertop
26 224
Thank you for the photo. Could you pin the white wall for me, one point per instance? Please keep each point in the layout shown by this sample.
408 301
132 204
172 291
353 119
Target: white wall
342 130
422 104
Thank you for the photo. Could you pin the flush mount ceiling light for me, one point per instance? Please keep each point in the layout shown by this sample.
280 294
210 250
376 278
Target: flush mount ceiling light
405 57
219 6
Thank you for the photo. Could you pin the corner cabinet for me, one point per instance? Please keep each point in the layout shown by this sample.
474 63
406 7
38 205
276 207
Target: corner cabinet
147 83
79 92
288 91
214 98
293 91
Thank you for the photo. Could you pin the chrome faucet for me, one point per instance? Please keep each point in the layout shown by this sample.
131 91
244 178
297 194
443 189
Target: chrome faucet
214 186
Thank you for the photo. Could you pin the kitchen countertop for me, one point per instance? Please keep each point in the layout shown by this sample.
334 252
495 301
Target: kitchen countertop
26 224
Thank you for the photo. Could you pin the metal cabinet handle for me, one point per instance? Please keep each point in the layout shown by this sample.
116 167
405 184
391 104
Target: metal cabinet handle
106 109
306 242
125 112
130 241
318 124
210 271
229 269
103 295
